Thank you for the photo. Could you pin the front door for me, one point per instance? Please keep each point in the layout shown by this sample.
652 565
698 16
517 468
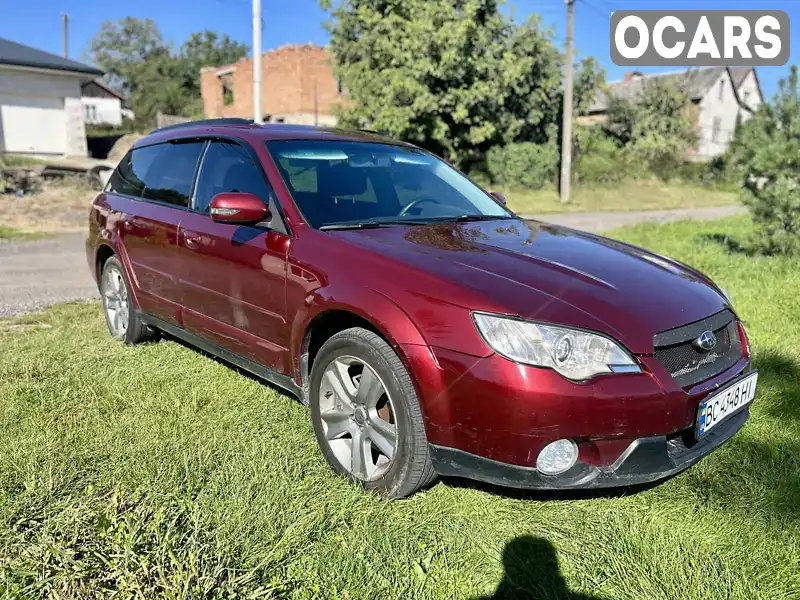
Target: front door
234 287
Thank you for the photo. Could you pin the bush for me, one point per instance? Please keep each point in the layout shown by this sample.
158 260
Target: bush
524 164
767 150
596 157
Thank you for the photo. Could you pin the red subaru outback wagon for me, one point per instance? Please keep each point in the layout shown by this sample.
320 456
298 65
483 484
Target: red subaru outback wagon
429 329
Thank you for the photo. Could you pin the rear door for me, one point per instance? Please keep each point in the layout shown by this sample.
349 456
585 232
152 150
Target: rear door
150 192
234 284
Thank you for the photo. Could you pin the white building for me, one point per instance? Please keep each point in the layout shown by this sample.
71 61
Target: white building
40 101
102 105
721 95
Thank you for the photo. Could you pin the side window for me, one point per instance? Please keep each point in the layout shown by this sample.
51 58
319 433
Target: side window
228 167
171 175
129 177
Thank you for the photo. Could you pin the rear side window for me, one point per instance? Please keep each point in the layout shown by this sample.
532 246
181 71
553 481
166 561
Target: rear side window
227 167
164 172
129 177
169 179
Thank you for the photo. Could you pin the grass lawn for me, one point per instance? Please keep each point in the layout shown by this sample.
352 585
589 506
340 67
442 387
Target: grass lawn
625 196
10 233
154 470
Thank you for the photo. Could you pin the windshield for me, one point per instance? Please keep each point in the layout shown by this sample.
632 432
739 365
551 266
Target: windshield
337 184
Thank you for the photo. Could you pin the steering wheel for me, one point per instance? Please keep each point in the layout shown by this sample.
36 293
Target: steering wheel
413 203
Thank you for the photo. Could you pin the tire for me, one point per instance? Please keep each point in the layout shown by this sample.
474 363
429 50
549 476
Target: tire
121 318
340 414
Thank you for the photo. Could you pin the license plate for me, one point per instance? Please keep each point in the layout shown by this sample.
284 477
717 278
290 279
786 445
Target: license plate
720 406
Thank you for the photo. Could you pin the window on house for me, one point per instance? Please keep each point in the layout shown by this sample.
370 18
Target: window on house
721 90
227 88
716 129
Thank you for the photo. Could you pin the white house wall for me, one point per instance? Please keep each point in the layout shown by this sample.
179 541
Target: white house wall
749 94
66 87
712 107
102 111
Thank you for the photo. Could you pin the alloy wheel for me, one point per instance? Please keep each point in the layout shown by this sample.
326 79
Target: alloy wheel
358 418
115 301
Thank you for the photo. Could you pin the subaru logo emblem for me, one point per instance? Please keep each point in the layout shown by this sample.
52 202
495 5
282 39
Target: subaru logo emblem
706 341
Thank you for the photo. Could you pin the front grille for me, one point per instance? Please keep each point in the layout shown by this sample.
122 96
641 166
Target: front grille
689 365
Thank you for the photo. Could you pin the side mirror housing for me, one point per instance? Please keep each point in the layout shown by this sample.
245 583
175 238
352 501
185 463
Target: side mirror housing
238 208
499 197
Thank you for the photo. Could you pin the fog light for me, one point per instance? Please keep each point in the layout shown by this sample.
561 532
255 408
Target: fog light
557 457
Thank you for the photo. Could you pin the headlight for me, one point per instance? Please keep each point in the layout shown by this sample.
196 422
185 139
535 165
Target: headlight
574 353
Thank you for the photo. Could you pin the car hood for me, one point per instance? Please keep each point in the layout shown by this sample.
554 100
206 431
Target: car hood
554 274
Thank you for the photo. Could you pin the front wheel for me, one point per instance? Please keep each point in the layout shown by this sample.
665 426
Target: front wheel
366 415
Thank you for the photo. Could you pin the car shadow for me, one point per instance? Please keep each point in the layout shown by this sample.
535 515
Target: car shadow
531 572
243 372
533 495
781 374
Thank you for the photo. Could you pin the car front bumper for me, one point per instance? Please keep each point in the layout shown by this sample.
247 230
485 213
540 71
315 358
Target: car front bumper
645 460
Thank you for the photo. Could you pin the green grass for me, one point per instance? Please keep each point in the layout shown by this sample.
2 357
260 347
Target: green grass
10 233
154 470
19 160
625 196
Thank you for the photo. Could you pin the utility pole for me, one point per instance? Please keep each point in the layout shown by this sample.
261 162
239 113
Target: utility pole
566 125
65 33
258 113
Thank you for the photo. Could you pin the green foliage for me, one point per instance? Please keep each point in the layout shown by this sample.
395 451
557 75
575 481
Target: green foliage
457 76
523 164
655 129
596 157
767 150
155 78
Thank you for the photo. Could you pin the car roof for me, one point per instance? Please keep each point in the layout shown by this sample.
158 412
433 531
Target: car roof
247 129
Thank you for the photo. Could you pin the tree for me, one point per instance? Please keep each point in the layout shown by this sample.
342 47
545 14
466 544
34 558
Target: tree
655 129
203 49
455 76
767 151
139 63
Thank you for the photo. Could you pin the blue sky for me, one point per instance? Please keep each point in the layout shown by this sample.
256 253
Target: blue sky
38 22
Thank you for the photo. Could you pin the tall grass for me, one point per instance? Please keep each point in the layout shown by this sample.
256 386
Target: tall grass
154 471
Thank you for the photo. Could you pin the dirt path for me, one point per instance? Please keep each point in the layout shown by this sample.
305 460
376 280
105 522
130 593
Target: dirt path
36 274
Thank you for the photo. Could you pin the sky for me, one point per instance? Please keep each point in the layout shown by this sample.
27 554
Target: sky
38 22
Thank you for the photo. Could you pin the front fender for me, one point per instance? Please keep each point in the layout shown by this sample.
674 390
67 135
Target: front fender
369 304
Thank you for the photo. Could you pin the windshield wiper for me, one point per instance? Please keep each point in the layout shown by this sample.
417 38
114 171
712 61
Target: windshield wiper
370 224
468 218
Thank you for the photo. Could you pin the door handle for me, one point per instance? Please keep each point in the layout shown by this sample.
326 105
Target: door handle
191 239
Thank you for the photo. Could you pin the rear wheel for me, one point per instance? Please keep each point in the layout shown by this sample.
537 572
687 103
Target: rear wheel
123 323
366 415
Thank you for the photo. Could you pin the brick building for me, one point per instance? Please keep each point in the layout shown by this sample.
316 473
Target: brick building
297 86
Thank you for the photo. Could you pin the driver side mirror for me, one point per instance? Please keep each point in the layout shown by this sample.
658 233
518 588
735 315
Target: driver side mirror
499 197
238 208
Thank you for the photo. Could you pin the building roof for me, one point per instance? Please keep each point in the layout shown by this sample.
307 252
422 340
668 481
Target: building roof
695 82
19 55
103 86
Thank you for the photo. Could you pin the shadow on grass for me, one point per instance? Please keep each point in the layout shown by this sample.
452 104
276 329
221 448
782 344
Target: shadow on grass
530 571
551 495
732 245
781 374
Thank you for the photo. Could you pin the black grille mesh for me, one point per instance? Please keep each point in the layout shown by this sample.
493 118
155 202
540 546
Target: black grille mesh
688 365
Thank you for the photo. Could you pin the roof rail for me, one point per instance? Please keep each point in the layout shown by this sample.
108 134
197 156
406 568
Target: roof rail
209 122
